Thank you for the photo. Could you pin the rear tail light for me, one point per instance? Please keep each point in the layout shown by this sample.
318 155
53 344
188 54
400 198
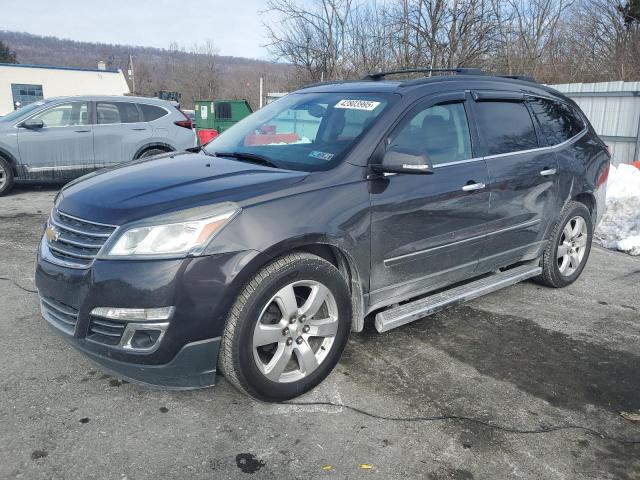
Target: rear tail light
602 179
186 123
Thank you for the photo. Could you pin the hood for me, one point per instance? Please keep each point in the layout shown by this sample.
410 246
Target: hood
154 186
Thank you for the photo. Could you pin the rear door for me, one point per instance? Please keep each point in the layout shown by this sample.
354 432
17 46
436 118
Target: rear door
119 132
426 229
63 147
522 176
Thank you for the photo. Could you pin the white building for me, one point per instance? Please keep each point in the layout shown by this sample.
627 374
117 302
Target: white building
23 84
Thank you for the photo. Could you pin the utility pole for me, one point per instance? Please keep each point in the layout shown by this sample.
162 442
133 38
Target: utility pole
261 90
132 75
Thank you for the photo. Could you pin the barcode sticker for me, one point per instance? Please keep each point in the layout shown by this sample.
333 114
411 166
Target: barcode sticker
367 105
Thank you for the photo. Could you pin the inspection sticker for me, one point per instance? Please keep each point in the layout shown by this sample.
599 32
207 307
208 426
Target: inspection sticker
321 155
367 105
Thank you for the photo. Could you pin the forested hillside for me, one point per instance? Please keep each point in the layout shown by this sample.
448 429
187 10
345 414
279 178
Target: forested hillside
196 71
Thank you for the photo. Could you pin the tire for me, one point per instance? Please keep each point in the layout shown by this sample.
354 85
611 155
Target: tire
6 176
561 270
152 152
264 312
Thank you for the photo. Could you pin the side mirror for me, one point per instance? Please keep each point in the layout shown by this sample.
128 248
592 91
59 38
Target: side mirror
403 160
32 124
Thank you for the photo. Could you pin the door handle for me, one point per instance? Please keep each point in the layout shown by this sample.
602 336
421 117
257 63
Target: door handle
82 131
470 187
548 171
138 129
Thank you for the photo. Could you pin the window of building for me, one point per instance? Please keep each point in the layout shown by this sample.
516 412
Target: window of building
24 94
440 131
505 127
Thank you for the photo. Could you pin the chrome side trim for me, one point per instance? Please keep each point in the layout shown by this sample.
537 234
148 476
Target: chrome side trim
53 169
540 149
458 162
391 261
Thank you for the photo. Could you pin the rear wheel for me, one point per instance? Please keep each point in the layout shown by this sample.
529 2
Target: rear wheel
287 329
569 246
6 176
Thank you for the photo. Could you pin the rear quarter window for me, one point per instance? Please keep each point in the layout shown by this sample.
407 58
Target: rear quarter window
151 112
558 121
505 127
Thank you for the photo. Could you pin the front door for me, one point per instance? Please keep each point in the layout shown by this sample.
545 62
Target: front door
522 178
427 229
63 147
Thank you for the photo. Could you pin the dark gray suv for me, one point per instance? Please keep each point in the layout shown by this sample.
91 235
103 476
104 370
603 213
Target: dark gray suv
64 138
336 204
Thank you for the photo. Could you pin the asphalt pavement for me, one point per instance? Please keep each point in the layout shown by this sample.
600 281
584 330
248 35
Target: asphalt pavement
503 371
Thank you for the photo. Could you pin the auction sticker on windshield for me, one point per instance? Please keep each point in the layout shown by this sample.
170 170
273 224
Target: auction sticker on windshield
367 105
321 155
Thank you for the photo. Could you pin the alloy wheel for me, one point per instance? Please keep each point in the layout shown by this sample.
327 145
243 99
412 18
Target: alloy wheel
295 332
572 246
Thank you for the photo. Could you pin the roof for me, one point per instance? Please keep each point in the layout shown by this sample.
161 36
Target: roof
52 67
370 86
112 98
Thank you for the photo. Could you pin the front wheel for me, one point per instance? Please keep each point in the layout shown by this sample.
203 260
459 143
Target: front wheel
6 176
287 328
568 248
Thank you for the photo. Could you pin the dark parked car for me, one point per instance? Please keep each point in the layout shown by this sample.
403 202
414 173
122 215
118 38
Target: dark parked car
63 138
341 201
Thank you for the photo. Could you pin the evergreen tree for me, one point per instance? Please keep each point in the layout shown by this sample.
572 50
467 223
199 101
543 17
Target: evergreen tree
6 55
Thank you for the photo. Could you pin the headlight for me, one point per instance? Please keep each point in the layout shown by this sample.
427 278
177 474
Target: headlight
188 237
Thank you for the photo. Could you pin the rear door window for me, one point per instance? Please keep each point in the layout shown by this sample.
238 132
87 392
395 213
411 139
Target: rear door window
440 131
117 112
505 126
557 120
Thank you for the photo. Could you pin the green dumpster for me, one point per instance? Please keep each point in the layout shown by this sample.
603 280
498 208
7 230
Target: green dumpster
220 114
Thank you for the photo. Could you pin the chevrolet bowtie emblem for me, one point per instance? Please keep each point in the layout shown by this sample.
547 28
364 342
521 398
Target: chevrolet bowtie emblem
52 234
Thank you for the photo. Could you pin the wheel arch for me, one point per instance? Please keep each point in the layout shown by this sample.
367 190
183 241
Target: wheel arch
589 201
149 146
327 250
11 159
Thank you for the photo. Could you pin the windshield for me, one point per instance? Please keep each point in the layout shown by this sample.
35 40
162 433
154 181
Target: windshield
16 114
308 131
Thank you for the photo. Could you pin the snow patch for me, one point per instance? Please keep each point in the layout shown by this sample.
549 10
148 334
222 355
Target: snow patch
619 228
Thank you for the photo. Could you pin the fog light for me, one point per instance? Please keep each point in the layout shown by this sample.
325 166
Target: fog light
134 314
144 339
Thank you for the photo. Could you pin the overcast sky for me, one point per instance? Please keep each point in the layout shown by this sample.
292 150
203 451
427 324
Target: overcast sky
235 26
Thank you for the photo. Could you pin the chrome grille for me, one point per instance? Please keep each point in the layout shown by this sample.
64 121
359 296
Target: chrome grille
59 315
75 242
105 331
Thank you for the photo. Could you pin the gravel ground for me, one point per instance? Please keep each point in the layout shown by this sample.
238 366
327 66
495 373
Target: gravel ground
524 358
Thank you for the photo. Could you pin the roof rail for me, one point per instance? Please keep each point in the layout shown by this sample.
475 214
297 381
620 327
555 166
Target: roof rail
526 78
460 71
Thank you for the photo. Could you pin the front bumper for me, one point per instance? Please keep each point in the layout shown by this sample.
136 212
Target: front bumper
201 289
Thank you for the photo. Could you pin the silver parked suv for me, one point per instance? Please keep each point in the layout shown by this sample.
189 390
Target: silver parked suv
64 138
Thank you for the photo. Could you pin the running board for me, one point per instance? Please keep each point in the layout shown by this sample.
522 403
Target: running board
409 312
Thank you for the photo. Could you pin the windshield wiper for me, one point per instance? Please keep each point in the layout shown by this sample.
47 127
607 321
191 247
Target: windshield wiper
250 157
200 148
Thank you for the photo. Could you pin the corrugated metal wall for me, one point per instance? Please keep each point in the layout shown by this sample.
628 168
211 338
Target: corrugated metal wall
613 108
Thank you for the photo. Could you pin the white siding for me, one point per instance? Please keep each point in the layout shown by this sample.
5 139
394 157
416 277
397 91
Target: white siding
59 82
612 114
